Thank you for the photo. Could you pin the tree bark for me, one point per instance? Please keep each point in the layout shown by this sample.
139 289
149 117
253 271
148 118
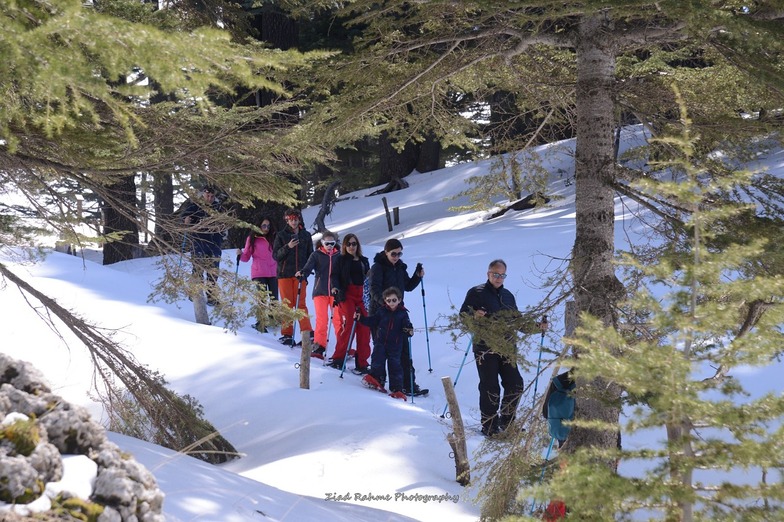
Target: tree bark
394 165
163 206
597 289
118 212
429 158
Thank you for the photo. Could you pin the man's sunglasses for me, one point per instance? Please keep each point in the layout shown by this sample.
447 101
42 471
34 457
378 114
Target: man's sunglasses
396 254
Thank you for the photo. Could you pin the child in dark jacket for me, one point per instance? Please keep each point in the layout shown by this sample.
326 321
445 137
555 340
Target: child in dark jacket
392 328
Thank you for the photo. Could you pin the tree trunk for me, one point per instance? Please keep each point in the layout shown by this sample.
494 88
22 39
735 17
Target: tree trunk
118 215
429 158
163 207
394 165
597 289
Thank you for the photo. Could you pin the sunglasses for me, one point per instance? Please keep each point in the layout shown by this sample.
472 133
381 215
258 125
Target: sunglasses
264 226
329 243
352 244
396 254
292 218
497 275
391 300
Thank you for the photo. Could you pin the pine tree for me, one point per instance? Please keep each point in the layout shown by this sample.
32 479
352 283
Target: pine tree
704 321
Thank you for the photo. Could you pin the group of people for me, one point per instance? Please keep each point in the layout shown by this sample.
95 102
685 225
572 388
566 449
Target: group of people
283 260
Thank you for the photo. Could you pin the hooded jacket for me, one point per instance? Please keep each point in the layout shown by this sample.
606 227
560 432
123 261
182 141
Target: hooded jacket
385 275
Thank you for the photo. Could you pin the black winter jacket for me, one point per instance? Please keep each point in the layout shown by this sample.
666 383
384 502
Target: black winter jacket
205 242
384 275
486 297
291 260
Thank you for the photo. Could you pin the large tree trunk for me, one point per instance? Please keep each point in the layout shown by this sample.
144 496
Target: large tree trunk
429 155
597 289
394 165
163 206
118 214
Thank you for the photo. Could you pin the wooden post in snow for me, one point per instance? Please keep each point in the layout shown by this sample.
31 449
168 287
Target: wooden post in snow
386 211
304 363
457 439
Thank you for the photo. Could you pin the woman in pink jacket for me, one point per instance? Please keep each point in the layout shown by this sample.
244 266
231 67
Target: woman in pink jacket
263 269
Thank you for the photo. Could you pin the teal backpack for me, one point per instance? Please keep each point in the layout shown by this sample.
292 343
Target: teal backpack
559 406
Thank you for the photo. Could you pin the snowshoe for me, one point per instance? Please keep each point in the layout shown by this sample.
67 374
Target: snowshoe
362 370
319 352
287 340
398 395
418 392
368 381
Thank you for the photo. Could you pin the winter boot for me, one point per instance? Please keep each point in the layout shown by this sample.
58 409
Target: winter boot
318 352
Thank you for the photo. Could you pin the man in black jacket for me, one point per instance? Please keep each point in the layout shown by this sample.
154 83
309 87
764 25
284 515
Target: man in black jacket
495 348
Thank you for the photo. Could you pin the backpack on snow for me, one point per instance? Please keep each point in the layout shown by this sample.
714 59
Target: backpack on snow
559 406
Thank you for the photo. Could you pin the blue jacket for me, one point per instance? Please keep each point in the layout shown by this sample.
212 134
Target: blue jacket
388 326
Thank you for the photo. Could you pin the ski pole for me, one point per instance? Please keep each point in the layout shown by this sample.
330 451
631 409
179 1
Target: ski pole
350 340
544 468
237 270
465 355
539 364
182 249
411 369
329 327
296 307
424 311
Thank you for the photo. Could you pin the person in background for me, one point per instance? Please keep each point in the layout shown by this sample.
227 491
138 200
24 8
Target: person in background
292 247
389 270
263 269
392 328
351 272
205 234
489 300
324 262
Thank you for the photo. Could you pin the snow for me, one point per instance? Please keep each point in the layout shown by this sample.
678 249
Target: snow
335 452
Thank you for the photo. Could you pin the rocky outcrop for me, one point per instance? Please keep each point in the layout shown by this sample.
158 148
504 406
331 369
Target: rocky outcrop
36 429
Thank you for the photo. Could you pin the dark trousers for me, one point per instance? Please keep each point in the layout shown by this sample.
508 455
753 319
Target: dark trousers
270 284
409 372
491 366
207 265
387 356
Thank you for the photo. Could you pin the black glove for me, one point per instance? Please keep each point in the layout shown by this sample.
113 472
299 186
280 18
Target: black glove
418 268
338 297
409 330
